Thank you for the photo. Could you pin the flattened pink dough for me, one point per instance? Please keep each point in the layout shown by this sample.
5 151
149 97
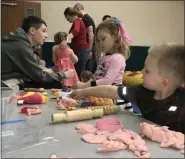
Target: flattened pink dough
119 140
112 146
93 139
86 128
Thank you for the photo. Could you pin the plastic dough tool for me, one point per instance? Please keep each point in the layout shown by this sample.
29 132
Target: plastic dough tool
108 124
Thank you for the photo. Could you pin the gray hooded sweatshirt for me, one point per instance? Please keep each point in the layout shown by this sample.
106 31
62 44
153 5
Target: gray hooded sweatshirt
17 61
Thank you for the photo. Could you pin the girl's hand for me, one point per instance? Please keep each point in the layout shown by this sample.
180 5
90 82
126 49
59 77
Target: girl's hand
77 94
79 85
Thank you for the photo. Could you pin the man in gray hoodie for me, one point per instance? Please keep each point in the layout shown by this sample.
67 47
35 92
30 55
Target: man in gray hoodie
18 60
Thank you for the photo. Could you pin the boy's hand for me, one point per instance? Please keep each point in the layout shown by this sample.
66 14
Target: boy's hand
69 73
77 94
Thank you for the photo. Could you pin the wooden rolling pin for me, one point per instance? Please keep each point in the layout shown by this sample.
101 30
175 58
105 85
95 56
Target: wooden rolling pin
107 109
76 115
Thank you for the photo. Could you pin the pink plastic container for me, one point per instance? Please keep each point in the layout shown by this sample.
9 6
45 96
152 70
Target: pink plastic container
108 124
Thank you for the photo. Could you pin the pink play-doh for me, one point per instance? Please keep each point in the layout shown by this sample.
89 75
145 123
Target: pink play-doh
108 124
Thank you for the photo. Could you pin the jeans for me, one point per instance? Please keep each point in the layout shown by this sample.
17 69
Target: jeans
83 56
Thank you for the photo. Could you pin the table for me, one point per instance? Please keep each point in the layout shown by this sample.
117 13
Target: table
38 138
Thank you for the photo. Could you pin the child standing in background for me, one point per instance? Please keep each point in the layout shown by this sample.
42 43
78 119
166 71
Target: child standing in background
64 57
113 42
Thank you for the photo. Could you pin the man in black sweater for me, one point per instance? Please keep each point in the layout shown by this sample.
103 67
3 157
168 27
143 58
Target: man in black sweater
18 61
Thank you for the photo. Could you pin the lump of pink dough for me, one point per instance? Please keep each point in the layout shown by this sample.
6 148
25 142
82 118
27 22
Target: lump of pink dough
112 146
104 133
115 136
125 139
163 135
138 148
135 143
86 128
153 132
179 136
67 102
148 131
93 139
172 141
139 143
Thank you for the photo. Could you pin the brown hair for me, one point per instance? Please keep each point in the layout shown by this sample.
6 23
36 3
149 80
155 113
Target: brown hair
78 7
121 45
70 11
86 76
105 17
59 37
170 59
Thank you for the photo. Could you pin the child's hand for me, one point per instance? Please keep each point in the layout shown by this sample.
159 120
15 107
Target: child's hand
79 85
77 94
69 73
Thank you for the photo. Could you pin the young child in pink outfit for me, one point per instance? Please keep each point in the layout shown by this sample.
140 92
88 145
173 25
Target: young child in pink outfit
113 42
64 58
110 41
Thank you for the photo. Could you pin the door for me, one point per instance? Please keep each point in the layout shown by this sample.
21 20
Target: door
12 16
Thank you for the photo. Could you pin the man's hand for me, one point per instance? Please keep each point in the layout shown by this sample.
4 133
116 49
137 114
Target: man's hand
69 38
77 94
69 73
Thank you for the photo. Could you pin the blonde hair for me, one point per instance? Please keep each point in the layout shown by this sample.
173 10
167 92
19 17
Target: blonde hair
121 45
170 59
59 37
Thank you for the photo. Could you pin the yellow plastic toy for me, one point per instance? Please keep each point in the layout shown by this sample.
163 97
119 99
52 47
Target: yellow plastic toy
132 78
32 98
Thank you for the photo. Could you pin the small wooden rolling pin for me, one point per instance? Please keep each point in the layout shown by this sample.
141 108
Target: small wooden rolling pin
76 115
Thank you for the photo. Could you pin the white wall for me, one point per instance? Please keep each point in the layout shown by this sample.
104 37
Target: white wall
147 22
